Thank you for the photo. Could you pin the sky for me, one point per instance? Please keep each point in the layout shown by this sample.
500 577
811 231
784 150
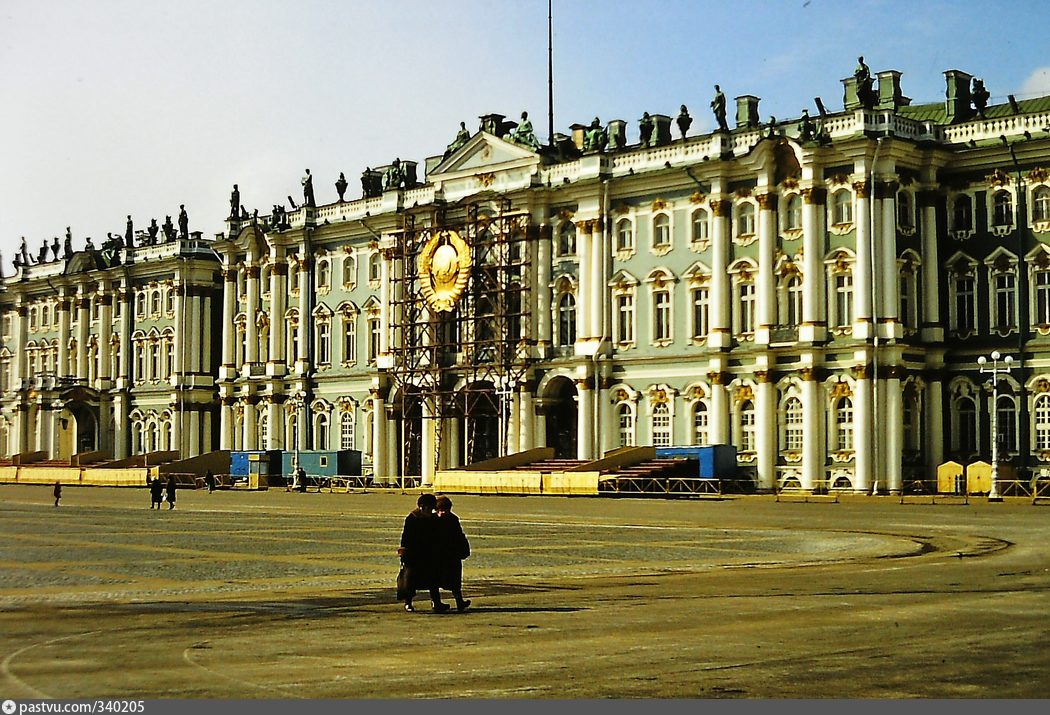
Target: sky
117 107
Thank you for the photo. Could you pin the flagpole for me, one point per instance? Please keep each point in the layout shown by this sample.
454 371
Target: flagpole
550 75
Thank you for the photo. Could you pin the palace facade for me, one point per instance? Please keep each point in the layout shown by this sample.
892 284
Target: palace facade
814 292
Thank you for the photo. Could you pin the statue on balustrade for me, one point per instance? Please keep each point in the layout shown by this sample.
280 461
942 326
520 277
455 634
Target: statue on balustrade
718 106
595 138
980 96
645 128
865 91
524 135
394 177
169 229
152 231
462 136
55 248
340 187
807 129
684 121
235 201
129 234
67 245
308 190
23 251
184 222
41 256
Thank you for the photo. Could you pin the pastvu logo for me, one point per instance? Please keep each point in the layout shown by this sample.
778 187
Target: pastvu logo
9 707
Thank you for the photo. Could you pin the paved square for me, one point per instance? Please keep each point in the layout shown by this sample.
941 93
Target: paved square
286 595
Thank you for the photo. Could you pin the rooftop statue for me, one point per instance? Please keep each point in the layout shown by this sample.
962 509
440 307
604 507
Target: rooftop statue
684 121
595 137
152 231
340 187
980 96
129 233
23 251
718 106
462 136
41 256
169 229
308 190
645 128
371 183
523 133
184 222
235 201
55 247
67 245
865 93
771 128
89 245
807 130
394 176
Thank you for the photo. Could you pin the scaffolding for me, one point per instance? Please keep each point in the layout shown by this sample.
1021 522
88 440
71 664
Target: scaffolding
463 360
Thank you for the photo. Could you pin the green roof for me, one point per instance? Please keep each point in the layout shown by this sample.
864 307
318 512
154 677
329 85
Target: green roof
935 112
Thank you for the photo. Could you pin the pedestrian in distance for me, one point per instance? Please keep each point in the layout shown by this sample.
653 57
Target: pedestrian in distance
156 493
209 480
452 548
418 554
171 492
58 492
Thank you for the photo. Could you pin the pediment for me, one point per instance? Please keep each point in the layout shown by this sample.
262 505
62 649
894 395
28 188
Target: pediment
483 152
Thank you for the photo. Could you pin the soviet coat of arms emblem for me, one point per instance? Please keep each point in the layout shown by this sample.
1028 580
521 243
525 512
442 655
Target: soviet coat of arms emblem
444 269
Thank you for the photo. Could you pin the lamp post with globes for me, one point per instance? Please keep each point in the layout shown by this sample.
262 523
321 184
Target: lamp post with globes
995 370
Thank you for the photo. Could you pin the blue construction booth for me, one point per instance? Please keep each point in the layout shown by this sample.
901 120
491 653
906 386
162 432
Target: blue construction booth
261 469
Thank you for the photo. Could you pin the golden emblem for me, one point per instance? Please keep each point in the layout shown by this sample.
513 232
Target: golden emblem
444 269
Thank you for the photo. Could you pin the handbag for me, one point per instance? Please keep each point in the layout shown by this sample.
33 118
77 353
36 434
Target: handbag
404 591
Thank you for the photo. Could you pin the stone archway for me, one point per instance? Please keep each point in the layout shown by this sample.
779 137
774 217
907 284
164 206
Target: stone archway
561 417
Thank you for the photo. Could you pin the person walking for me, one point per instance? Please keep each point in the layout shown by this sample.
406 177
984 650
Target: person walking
171 492
209 479
58 491
418 554
452 548
156 493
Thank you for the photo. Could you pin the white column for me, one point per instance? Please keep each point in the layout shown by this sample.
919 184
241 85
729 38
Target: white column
513 416
933 437
931 308
584 419
814 303
83 326
226 424
721 327
894 431
766 281
306 318
229 311
596 303
18 361
379 439
251 276
766 431
278 307
719 426
527 418
890 304
453 440
275 434
127 296
813 443
584 314
386 320
863 436
427 444
543 318
862 270
106 331
121 425
64 335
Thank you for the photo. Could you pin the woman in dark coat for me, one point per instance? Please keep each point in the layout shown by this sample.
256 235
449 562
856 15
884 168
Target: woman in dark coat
419 554
156 493
453 547
171 492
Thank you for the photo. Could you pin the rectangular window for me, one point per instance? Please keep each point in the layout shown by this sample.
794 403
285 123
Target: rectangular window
350 340
747 307
1004 301
1042 297
964 317
701 312
661 315
625 318
843 299
373 339
324 343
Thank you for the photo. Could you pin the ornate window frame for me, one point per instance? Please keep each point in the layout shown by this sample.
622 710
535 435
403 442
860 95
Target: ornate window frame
661 282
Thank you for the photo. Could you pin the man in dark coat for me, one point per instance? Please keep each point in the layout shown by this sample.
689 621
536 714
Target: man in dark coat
171 492
419 554
453 547
156 493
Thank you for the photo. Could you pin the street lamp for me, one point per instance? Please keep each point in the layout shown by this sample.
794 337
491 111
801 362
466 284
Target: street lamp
297 403
994 371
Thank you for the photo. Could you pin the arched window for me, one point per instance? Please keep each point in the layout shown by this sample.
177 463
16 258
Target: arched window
375 331
793 213
347 423
746 219
661 231
700 422
349 270
701 227
567 319
844 424
842 207
567 239
324 275
1041 204
1042 421
155 303
624 235
321 431
349 337
661 425
625 415
375 267
793 431
964 436
747 426
1002 209
910 420
1006 423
